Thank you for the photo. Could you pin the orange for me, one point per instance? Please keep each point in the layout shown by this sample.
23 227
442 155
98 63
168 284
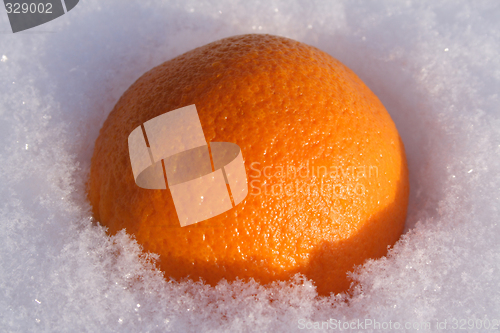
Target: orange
328 180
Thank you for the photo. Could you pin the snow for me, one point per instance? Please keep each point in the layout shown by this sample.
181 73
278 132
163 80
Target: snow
434 65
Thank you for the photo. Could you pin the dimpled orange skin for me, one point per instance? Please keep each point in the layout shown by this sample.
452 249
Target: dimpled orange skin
287 105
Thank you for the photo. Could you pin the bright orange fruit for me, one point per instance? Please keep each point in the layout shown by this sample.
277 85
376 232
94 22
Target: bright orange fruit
328 180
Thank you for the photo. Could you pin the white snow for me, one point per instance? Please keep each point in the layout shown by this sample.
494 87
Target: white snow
434 65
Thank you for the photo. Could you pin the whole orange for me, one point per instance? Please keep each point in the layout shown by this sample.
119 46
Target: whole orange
328 180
